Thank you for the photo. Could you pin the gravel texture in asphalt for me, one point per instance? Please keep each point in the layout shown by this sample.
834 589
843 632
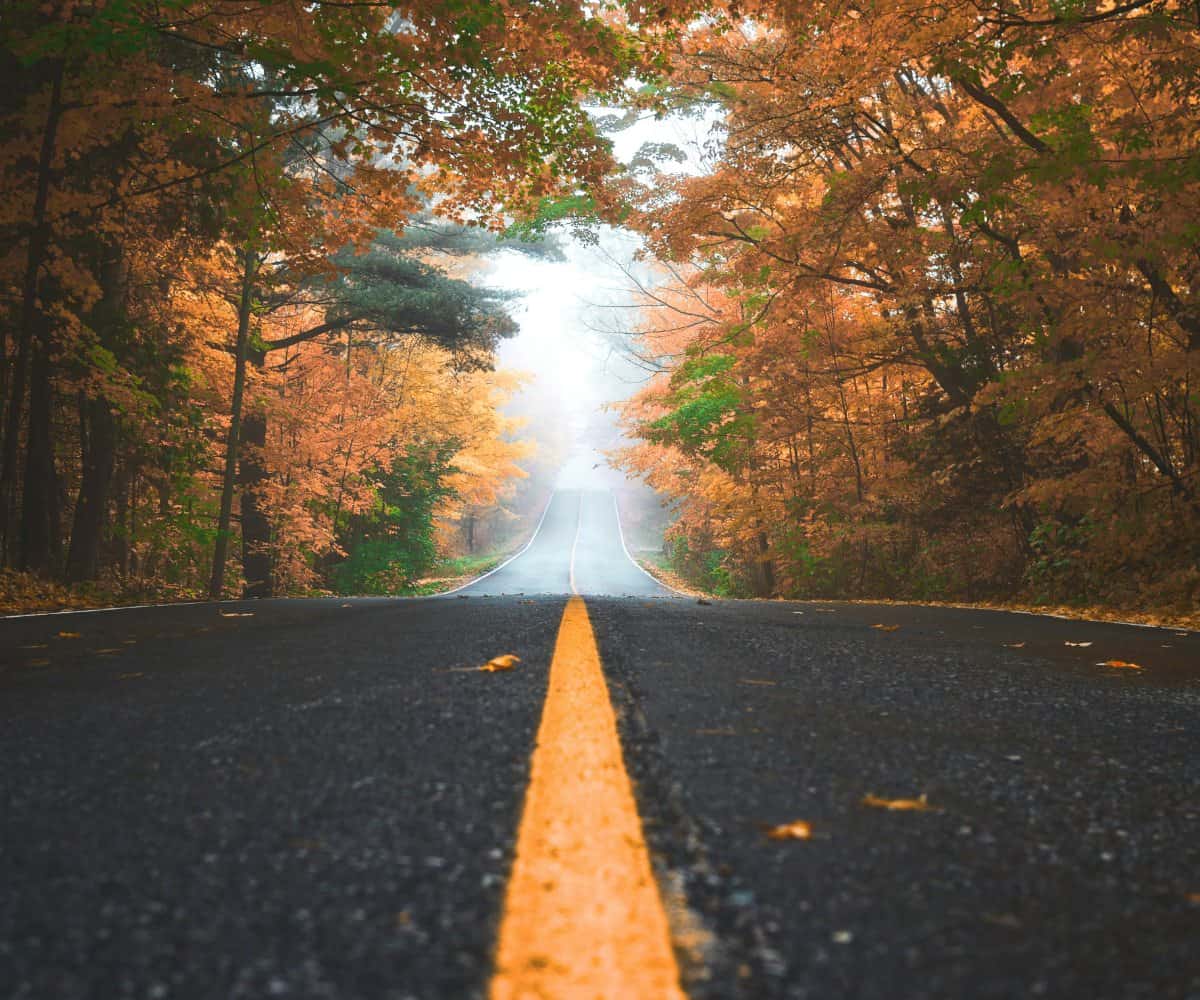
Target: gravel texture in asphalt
319 798
1061 853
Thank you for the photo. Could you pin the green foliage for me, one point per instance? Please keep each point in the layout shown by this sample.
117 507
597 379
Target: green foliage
707 416
390 546
577 210
1060 564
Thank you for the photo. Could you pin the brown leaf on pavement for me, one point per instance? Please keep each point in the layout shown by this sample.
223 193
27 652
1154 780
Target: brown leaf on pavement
900 805
68 635
1120 665
1081 645
886 628
497 663
798 829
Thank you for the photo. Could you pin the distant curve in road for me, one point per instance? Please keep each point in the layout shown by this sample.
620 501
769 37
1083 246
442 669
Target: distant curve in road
577 548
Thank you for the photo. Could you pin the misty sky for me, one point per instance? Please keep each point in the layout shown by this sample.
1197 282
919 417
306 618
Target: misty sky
569 329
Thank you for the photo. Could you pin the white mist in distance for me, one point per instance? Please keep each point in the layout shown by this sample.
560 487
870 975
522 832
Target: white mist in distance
573 318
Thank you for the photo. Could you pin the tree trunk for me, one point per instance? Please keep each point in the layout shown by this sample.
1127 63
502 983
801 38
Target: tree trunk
98 435
39 239
97 429
221 548
257 563
40 533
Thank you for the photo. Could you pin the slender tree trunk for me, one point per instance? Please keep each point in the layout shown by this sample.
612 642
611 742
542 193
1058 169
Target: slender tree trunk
97 430
30 319
221 549
257 562
40 532
91 510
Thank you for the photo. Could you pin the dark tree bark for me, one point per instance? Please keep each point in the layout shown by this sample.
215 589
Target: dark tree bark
257 562
250 263
40 531
30 320
98 437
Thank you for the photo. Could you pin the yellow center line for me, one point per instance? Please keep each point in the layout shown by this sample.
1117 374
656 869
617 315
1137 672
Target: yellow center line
583 918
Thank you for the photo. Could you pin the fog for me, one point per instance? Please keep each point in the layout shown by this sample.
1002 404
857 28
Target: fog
574 317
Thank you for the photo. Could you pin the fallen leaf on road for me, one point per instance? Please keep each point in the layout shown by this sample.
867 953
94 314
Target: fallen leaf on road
505 662
68 635
1014 645
35 645
111 649
1193 897
1081 645
798 829
751 680
237 614
900 805
886 628
1120 664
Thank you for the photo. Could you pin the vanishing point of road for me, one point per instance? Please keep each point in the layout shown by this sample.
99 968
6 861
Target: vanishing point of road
327 798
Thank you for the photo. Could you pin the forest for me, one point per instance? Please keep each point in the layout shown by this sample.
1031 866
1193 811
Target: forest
927 323
243 350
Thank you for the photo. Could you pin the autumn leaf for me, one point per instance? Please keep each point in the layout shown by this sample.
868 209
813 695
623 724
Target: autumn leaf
886 628
798 829
1119 664
498 663
69 635
920 804
1081 645
237 614
1014 645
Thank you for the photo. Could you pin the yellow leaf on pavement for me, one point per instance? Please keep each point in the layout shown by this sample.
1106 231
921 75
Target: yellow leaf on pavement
68 635
796 830
886 628
900 805
505 662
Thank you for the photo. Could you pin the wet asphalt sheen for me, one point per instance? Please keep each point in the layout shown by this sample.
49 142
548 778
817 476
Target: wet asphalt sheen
316 798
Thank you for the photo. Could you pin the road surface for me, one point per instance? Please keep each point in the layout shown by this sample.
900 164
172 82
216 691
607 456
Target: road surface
324 798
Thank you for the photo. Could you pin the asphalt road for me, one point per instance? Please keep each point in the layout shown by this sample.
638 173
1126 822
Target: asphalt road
320 798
